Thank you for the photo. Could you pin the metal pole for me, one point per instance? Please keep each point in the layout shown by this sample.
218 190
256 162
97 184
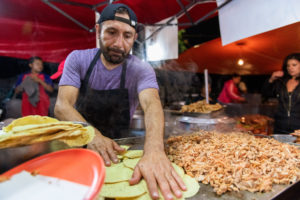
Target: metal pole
68 16
206 86
185 11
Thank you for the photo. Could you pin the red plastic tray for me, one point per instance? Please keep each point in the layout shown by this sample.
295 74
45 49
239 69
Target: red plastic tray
77 165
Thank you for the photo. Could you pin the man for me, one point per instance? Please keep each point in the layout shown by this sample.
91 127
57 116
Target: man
106 86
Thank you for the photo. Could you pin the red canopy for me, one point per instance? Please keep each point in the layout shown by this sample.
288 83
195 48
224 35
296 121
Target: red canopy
262 54
32 28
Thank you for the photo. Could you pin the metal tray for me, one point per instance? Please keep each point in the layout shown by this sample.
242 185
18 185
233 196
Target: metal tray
206 192
197 114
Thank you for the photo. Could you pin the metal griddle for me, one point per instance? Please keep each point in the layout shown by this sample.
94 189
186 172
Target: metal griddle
286 192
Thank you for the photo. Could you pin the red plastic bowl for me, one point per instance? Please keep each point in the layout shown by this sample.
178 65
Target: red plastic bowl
77 165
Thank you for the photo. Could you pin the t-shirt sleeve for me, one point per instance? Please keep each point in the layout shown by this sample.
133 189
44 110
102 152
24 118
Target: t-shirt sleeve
71 71
146 78
48 80
19 80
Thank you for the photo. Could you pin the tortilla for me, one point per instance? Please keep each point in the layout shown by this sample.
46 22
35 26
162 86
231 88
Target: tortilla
192 186
86 136
33 127
131 163
38 132
100 198
122 190
31 119
68 132
178 169
117 173
117 185
15 143
58 135
147 195
133 154
126 147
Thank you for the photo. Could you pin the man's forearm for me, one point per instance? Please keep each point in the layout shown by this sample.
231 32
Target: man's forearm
67 113
154 122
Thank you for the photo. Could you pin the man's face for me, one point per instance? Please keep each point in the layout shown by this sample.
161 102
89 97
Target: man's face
116 39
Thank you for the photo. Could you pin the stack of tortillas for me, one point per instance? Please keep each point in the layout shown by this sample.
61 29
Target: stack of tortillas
116 183
34 129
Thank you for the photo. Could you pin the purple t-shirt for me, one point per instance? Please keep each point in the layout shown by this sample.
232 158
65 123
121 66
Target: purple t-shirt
139 75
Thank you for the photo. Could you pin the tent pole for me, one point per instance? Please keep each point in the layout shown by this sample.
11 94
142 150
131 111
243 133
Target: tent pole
68 16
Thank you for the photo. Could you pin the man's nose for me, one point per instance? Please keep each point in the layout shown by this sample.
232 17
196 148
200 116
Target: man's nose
119 41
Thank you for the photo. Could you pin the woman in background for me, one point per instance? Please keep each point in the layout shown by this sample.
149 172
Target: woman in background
284 85
230 92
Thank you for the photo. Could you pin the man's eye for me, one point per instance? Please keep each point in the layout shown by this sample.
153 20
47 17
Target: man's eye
127 36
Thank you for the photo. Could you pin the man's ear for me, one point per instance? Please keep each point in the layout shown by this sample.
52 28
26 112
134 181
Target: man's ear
30 65
136 36
98 29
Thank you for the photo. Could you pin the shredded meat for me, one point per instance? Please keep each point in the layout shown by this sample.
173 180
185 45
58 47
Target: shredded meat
235 161
200 107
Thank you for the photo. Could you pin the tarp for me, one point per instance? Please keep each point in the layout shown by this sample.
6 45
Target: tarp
32 28
242 19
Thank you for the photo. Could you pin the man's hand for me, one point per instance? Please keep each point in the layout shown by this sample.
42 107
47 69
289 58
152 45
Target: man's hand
106 147
156 168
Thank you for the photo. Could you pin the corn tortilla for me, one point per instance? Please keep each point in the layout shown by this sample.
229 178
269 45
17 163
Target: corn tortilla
31 119
178 169
131 163
133 154
86 136
122 190
192 186
117 173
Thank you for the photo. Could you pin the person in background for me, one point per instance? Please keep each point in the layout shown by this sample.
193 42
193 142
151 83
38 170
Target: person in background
242 87
230 92
34 86
284 85
202 92
104 86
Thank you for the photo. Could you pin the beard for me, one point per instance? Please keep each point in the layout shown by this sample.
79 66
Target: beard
113 55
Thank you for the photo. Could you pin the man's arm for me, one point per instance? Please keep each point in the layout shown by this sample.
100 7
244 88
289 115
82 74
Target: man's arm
154 166
64 110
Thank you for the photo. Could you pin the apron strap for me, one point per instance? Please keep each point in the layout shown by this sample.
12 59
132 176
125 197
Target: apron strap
123 75
89 71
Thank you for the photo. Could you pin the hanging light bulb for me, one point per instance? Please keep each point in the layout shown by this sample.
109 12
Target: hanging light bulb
240 62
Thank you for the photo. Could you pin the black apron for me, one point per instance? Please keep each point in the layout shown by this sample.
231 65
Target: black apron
107 110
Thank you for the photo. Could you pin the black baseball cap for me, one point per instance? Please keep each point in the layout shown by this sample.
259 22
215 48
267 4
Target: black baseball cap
109 12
